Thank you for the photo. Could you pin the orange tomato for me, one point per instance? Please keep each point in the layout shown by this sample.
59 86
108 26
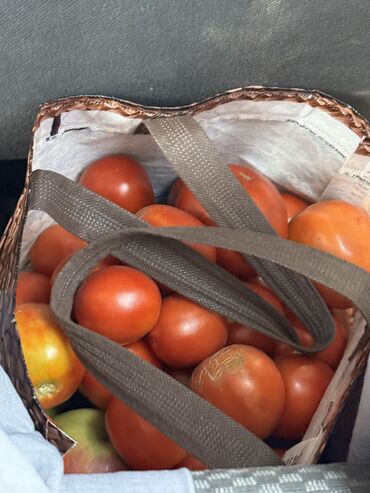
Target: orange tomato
293 204
53 367
166 215
338 228
52 246
120 179
32 287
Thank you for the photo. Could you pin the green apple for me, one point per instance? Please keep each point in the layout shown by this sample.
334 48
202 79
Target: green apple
93 452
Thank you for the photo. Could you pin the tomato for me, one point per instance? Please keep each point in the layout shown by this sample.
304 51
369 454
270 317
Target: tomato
118 302
53 367
138 442
32 287
186 332
120 179
96 392
191 463
105 262
174 191
166 215
305 338
241 334
338 228
182 375
187 201
305 381
334 353
52 246
268 200
244 383
293 204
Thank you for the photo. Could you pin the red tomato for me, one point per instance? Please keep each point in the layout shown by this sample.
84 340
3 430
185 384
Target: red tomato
241 334
186 332
182 375
244 383
293 204
175 190
52 246
53 367
267 198
187 202
338 228
100 395
118 302
305 338
305 381
32 287
139 443
334 353
166 215
191 463
105 262
120 179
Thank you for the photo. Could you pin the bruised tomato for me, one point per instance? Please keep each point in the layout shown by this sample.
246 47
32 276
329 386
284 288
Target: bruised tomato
192 463
268 200
138 442
293 204
305 381
244 383
241 334
186 333
166 215
338 228
32 287
174 191
119 302
96 392
53 367
52 246
120 179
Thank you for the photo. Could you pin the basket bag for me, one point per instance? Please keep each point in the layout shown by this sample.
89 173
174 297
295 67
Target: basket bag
303 141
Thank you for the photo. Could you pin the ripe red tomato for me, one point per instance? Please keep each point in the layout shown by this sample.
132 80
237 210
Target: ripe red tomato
32 287
186 332
293 204
267 198
244 383
174 191
338 228
54 369
191 463
120 179
52 246
305 381
139 443
241 334
96 392
166 215
118 302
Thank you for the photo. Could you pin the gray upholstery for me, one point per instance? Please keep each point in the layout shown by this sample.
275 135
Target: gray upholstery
171 52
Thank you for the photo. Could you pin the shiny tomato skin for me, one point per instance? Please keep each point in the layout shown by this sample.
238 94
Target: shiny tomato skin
174 191
244 383
52 246
166 216
53 367
241 334
96 392
120 179
338 228
186 333
268 200
139 443
293 204
192 463
32 287
118 302
306 381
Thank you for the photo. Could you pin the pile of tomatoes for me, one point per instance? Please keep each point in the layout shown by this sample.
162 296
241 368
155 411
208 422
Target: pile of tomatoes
261 383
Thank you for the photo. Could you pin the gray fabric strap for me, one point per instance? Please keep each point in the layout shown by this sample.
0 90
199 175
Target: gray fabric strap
192 422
